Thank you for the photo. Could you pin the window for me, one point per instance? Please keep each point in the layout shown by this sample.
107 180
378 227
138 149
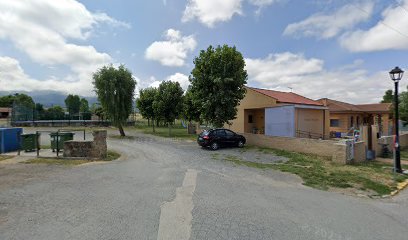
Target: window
229 133
250 120
334 122
358 121
351 121
220 133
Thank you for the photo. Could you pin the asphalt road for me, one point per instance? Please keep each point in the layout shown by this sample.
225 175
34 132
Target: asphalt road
164 189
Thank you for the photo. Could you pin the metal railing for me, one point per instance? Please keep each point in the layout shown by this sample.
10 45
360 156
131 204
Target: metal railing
305 134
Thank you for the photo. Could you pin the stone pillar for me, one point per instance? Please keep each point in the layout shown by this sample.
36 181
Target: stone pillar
100 147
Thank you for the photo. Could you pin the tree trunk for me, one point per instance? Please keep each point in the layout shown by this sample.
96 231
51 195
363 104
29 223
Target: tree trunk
122 132
169 129
148 122
153 124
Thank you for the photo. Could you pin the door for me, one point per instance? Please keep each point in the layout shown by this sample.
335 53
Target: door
230 138
220 137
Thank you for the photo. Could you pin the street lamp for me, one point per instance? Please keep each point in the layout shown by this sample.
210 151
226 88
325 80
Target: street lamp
396 75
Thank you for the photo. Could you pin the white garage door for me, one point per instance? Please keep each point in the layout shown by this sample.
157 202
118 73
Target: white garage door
280 121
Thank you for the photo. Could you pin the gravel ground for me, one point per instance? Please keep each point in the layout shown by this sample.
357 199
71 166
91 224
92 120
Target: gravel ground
123 199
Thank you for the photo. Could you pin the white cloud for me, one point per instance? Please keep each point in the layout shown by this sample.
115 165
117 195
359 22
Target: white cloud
308 77
13 77
325 26
261 4
210 12
173 51
182 79
42 29
391 32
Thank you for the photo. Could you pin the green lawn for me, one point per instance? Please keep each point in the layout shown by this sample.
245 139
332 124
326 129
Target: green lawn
322 173
111 155
176 132
4 157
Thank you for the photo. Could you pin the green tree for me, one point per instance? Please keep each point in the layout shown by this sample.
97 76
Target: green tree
73 104
217 83
388 97
54 113
18 98
191 111
39 109
115 90
168 102
145 103
84 109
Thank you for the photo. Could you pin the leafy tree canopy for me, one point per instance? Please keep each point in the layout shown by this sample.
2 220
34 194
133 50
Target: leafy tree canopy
115 90
18 98
388 97
73 104
217 83
191 111
168 102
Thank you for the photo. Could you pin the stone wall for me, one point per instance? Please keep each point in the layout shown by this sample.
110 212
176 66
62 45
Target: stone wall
335 150
324 148
96 149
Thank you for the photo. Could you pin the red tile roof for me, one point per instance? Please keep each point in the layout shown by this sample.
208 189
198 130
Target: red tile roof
338 106
3 109
287 97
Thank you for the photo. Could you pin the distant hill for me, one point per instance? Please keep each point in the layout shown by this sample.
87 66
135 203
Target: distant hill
48 98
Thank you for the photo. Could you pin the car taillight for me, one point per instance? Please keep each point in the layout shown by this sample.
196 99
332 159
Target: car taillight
206 137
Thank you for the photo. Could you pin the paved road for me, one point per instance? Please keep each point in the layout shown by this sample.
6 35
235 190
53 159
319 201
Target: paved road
162 189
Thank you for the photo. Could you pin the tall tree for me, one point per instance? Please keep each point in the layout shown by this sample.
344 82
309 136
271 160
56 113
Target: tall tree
73 104
18 98
191 111
145 103
115 90
388 97
168 102
217 83
84 109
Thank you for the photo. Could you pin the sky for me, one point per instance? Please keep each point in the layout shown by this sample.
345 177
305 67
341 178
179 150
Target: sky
339 49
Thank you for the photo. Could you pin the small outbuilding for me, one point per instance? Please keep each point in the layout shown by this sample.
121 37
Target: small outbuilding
286 114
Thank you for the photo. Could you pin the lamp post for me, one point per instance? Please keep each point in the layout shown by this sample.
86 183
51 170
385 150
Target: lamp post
396 75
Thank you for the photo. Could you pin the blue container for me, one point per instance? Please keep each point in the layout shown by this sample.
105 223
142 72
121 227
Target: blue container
338 134
10 139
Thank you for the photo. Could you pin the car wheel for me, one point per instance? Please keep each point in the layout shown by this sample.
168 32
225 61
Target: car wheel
241 144
214 146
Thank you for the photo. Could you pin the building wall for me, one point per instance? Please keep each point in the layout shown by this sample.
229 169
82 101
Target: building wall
345 121
310 121
252 100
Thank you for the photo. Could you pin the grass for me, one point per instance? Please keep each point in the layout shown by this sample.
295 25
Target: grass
56 161
5 157
321 173
111 155
176 132
404 154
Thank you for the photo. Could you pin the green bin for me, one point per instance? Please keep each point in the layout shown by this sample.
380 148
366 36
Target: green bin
62 137
29 142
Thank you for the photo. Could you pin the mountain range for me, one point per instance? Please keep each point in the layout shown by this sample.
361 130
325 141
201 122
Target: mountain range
49 98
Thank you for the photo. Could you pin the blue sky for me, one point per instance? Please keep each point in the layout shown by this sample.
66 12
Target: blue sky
319 48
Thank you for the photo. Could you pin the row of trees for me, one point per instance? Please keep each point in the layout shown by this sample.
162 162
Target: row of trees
217 86
403 103
25 105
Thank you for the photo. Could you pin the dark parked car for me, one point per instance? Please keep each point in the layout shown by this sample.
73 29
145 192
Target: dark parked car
216 138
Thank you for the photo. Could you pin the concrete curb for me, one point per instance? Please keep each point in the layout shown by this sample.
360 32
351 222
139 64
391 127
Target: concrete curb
400 187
